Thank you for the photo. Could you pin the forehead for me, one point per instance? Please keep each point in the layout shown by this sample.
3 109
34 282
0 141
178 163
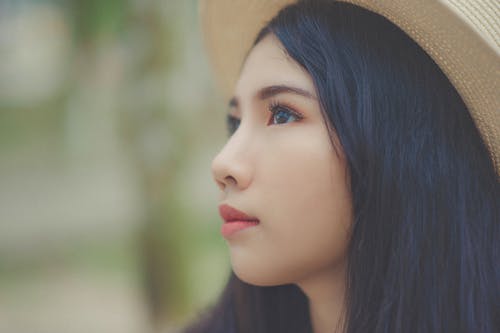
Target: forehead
268 64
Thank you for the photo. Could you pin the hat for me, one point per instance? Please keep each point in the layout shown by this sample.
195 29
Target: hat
461 36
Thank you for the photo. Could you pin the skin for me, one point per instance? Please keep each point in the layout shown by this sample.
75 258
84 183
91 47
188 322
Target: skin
289 177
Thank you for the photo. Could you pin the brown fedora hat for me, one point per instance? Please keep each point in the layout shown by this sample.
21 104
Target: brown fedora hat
462 37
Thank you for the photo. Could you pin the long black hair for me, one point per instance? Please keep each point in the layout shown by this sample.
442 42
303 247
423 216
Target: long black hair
424 248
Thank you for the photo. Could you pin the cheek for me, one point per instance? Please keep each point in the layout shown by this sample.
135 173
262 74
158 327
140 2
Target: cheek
306 209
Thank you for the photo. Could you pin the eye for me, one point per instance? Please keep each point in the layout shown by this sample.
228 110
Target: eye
232 124
281 114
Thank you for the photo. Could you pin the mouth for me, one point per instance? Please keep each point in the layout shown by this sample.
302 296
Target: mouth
235 221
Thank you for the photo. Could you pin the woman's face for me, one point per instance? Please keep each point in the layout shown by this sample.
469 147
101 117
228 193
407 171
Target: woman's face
281 168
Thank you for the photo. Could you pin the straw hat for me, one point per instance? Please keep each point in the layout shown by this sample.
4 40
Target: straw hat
462 37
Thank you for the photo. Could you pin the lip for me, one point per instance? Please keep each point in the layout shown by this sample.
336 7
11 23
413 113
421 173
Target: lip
235 220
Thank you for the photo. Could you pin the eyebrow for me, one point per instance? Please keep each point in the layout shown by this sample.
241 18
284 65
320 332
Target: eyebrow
270 91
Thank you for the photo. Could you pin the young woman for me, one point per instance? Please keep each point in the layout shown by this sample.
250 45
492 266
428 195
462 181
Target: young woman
365 184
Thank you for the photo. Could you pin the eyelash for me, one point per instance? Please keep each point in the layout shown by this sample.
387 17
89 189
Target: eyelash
274 108
232 124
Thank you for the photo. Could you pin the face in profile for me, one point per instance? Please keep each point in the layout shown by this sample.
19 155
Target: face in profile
280 167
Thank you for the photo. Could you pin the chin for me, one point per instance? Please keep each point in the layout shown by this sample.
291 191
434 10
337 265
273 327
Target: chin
258 276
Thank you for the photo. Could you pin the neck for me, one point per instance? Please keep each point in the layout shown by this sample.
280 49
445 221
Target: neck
325 292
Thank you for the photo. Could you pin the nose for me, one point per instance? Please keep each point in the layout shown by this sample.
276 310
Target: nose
231 167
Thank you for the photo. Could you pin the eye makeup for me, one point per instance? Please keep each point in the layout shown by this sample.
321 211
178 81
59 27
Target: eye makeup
281 111
280 115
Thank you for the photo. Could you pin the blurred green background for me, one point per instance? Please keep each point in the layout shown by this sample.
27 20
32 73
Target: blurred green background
109 121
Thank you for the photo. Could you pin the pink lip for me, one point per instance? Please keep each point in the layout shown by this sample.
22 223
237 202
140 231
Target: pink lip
235 220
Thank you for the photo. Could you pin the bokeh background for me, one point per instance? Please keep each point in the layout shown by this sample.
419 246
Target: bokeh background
109 120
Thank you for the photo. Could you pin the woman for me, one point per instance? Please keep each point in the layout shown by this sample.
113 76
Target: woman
370 188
